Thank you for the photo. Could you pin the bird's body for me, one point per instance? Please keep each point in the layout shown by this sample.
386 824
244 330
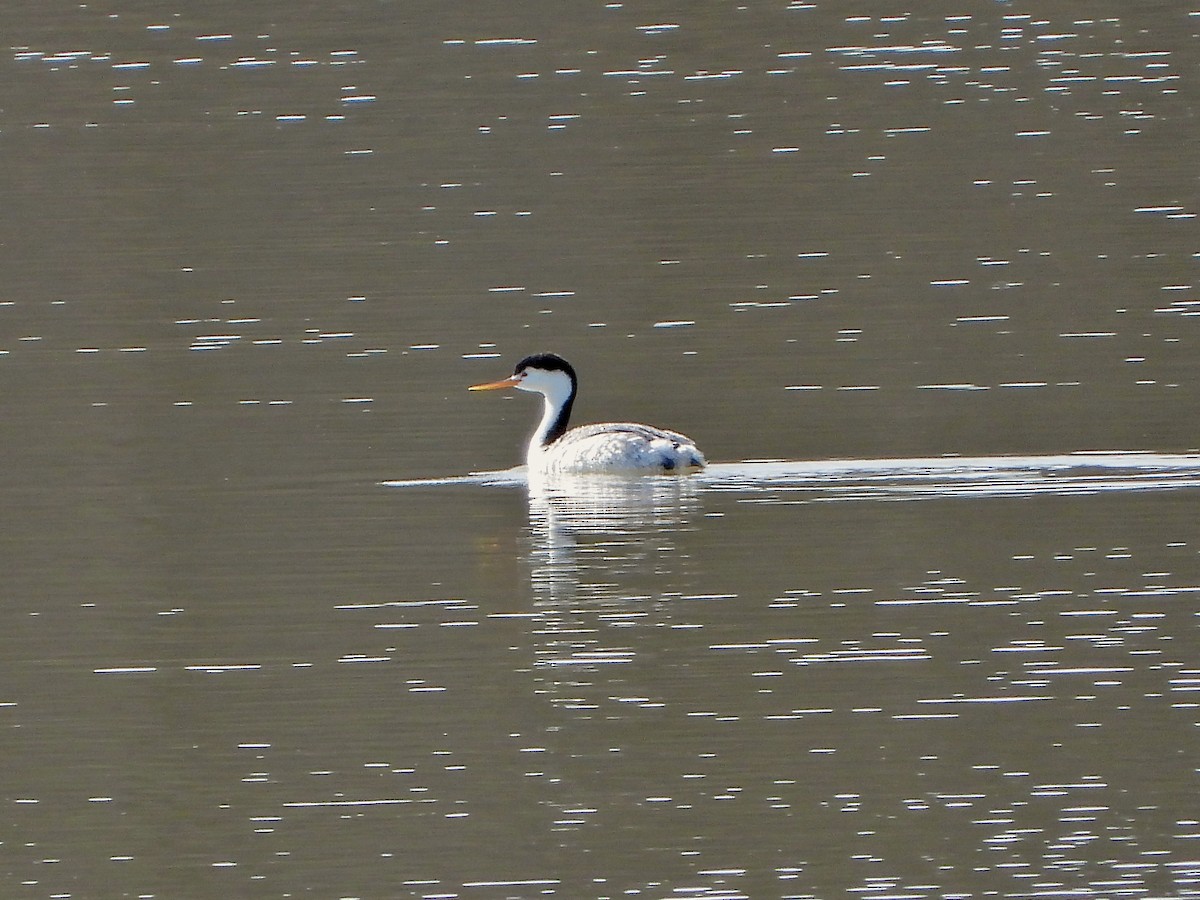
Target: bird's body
606 447
615 446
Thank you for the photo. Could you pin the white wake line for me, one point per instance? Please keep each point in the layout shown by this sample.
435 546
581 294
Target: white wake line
1088 472
1117 468
516 477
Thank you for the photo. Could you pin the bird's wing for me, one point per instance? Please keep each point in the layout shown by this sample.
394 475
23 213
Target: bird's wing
625 430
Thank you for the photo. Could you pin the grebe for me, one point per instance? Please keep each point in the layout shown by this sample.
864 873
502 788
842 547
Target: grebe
610 447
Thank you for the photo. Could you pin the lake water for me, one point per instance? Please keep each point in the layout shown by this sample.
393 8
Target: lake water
920 282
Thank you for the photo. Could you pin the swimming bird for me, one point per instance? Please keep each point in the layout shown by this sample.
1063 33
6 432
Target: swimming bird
607 447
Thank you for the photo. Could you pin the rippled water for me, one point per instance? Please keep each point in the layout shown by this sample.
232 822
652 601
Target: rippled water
921 282
917 698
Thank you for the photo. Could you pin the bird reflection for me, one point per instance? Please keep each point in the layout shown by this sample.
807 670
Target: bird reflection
603 554
588 530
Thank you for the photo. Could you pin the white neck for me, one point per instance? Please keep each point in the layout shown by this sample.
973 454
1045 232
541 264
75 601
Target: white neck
556 392
537 440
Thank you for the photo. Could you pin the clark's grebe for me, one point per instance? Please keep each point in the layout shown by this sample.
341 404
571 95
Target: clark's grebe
610 447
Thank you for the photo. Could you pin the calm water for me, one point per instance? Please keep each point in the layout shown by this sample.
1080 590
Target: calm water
916 265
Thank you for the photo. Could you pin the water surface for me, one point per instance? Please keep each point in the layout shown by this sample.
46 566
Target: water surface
928 272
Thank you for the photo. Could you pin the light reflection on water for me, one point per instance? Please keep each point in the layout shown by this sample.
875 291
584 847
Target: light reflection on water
234 667
1000 716
687 683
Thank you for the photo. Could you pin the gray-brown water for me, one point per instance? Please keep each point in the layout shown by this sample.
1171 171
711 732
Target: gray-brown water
251 255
